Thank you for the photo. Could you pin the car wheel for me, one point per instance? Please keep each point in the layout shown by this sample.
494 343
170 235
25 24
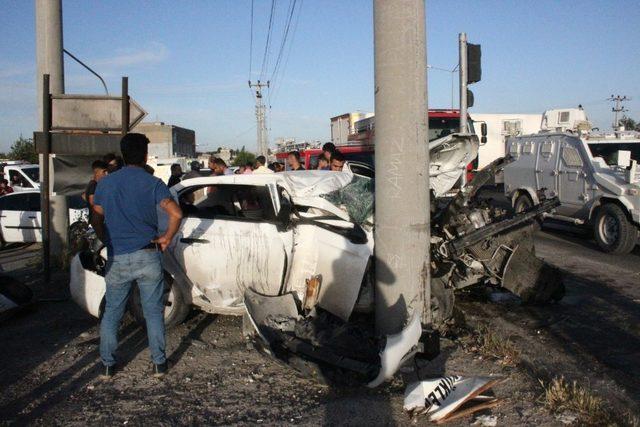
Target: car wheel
175 311
613 231
522 203
442 302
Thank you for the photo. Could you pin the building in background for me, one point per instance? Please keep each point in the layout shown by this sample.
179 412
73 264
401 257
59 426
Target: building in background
344 125
285 145
168 141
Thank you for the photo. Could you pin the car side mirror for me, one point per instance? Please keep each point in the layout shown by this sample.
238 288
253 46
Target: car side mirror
483 129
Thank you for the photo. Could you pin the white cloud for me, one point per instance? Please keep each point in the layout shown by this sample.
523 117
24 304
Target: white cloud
153 53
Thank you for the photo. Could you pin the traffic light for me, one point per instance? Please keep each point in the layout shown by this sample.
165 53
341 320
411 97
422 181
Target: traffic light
474 66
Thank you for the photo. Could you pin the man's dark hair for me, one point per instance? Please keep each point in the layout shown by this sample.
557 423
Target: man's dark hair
174 167
134 147
329 146
272 166
295 154
337 155
220 162
99 164
195 165
261 160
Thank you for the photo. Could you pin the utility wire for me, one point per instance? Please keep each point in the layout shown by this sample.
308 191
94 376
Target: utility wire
272 94
292 6
265 57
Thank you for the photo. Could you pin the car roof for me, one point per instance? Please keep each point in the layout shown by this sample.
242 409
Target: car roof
298 183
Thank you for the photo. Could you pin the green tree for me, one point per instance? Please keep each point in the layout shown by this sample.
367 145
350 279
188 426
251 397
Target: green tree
243 157
23 149
629 123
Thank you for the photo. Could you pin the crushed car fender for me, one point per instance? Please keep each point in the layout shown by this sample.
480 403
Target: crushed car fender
398 347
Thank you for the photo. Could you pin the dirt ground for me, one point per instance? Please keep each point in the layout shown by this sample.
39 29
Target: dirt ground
49 362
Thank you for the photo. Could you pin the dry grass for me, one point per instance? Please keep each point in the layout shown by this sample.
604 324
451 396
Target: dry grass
494 346
561 396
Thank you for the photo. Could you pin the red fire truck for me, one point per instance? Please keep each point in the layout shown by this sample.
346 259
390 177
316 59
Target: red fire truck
360 146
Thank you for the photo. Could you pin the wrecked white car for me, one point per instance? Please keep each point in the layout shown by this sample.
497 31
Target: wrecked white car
296 250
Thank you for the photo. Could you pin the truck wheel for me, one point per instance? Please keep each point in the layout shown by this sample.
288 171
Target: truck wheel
522 203
613 231
442 302
175 310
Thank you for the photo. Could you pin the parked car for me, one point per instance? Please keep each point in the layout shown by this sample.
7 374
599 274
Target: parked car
20 217
595 180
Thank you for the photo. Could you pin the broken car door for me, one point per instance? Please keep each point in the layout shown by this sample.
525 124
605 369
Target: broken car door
229 241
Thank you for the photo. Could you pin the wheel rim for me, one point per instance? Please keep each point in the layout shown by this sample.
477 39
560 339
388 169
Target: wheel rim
609 229
169 300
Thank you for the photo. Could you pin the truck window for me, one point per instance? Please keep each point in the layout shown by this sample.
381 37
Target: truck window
442 126
571 157
32 173
606 150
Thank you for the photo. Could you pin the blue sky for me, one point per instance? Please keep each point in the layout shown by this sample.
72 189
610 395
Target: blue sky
188 61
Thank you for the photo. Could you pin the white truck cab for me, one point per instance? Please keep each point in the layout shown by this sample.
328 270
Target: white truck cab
22 177
595 179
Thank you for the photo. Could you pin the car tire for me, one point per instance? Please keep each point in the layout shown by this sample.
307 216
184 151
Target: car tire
442 302
522 203
613 231
176 308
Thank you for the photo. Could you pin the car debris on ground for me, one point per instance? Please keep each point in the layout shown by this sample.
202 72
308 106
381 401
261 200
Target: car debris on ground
447 398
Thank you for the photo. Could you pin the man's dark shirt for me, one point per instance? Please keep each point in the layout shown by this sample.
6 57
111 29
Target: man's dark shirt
90 191
173 180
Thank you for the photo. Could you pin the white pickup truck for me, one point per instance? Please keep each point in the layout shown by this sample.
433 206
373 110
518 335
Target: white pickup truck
595 179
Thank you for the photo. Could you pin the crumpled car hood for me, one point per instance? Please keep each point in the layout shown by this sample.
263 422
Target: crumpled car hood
449 157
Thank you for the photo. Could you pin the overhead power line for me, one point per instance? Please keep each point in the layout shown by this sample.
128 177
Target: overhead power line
282 70
265 57
292 6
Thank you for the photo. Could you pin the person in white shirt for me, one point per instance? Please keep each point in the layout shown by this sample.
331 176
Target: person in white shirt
260 165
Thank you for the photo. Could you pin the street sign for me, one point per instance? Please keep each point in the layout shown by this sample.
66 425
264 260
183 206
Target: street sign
91 112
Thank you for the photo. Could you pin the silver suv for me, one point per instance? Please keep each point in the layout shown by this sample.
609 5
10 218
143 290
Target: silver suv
595 180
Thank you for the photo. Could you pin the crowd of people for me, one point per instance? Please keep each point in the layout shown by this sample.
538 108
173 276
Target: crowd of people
331 159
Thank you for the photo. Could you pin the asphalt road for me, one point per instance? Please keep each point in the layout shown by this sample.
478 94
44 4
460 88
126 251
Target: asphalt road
573 249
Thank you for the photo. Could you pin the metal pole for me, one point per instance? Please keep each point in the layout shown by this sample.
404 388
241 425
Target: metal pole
49 58
402 157
44 192
125 105
462 39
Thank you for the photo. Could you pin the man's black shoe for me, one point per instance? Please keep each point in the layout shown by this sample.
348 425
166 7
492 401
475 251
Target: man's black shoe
160 370
108 372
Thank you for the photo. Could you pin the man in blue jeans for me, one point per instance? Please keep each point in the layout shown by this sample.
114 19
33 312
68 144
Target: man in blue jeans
125 218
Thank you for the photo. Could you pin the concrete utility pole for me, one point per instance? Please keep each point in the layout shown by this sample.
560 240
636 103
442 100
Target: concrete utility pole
402 230
263 137
50 61
619 108
462 48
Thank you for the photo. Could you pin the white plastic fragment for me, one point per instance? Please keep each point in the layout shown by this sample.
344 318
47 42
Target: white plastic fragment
442 398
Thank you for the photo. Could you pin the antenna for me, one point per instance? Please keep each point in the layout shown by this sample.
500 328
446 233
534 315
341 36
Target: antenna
619 108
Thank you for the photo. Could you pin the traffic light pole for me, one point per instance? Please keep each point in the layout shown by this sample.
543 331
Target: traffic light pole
462 41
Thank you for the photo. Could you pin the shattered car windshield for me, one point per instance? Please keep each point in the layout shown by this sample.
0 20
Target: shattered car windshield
356 197
607 150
